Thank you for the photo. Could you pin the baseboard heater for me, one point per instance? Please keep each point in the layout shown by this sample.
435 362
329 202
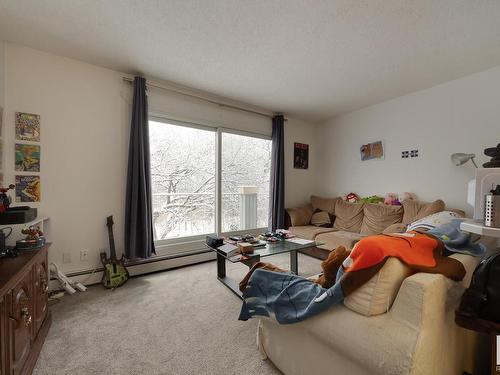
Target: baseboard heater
142 267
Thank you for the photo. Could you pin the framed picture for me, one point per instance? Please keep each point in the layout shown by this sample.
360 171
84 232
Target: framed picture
27 158
300 155
370 151
27 188
27 127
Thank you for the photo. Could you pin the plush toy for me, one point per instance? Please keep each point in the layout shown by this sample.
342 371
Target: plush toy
391 199
372 199
352 198
331 266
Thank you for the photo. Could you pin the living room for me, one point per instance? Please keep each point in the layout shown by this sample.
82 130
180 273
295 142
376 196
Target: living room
251 108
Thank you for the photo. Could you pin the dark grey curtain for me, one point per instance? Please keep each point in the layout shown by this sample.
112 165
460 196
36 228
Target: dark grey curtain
138 209
277 191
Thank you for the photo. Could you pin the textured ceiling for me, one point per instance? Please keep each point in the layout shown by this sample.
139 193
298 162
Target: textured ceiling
309 58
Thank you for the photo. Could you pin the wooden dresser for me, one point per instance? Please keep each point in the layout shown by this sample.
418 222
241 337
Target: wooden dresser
24 314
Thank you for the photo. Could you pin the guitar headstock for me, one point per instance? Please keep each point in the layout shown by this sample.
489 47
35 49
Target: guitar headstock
109 221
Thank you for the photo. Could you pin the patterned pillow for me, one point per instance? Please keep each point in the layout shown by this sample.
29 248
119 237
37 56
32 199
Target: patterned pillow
433 221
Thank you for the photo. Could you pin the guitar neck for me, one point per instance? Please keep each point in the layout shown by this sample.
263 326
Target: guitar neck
112 251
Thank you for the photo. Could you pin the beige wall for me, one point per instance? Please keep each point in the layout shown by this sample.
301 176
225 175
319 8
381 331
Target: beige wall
458 116
84 137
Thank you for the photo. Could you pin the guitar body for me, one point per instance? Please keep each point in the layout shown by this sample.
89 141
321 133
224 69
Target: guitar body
115 274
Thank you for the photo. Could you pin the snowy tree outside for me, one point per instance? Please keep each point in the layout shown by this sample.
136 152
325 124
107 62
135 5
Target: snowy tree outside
183 174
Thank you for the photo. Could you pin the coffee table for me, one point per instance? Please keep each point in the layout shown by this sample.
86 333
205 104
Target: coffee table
284 246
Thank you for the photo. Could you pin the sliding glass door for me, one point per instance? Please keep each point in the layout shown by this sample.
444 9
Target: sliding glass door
198 172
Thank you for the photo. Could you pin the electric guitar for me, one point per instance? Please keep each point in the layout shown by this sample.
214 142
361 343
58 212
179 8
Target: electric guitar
115 274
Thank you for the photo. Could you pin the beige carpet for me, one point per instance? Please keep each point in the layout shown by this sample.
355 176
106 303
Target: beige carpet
181 321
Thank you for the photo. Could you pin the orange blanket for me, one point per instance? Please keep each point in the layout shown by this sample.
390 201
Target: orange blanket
419 251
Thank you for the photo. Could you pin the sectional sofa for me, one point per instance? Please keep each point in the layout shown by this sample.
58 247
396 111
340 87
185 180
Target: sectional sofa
398 323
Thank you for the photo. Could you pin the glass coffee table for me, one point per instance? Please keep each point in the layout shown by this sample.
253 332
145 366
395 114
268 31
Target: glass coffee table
284 246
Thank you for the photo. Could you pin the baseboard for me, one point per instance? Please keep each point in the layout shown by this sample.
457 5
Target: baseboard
94 277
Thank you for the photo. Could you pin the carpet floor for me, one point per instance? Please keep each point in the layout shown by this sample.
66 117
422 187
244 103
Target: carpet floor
182 321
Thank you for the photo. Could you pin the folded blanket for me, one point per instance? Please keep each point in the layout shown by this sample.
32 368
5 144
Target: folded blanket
290 298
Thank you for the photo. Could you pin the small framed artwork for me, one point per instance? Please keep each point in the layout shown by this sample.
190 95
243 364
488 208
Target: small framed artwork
27 127
27 158
372 151
27 188
300 155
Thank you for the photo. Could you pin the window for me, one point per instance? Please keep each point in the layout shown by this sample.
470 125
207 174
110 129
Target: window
184 176
246 163
183 180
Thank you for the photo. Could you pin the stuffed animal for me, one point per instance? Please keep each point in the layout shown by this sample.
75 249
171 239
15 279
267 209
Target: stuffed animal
372 199
391 199
352 197
331 266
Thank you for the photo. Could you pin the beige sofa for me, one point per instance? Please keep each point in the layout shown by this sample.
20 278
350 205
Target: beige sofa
354 221
398 323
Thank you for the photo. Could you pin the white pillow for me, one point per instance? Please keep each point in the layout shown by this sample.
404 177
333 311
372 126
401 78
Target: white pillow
377 295
434 220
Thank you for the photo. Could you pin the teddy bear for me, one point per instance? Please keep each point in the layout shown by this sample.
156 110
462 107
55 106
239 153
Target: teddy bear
331 266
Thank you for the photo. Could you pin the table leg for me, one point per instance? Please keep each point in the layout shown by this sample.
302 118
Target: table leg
294 263
221 266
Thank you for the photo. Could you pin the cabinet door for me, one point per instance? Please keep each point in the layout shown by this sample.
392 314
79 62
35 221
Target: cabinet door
3 336
41 291
20 324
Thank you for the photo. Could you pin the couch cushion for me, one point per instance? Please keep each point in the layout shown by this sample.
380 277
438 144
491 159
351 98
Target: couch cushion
377 295
322 219
324 204
332 240
377 217
415 210
300 215
309 232
349 216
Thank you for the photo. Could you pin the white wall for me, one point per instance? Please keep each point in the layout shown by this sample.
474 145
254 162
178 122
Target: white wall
458 116
2 80
84 137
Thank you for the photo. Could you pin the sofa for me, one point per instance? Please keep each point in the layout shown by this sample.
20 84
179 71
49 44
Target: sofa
398 323
349 222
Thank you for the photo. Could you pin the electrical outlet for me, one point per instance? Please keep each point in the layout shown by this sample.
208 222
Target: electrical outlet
84 255
66 258
405 154
414 153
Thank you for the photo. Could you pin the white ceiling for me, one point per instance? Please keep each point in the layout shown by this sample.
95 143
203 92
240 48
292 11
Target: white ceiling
309 58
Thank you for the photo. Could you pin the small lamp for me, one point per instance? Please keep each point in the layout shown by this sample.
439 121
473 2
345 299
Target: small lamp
461 158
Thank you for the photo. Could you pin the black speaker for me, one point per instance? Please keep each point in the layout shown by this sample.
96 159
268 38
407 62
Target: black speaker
214 242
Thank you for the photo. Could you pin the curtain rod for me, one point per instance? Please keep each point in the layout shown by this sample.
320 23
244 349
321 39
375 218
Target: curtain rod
130 80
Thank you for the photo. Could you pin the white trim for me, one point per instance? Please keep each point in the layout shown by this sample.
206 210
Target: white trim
141 269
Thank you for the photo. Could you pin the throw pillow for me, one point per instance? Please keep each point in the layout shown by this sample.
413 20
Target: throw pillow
300 215
348 216
322 219
433 221
415 210
324 204
378 217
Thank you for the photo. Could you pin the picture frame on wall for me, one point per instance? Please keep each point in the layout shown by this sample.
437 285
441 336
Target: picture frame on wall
27 157
372 151
27 127
28 188
300 155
